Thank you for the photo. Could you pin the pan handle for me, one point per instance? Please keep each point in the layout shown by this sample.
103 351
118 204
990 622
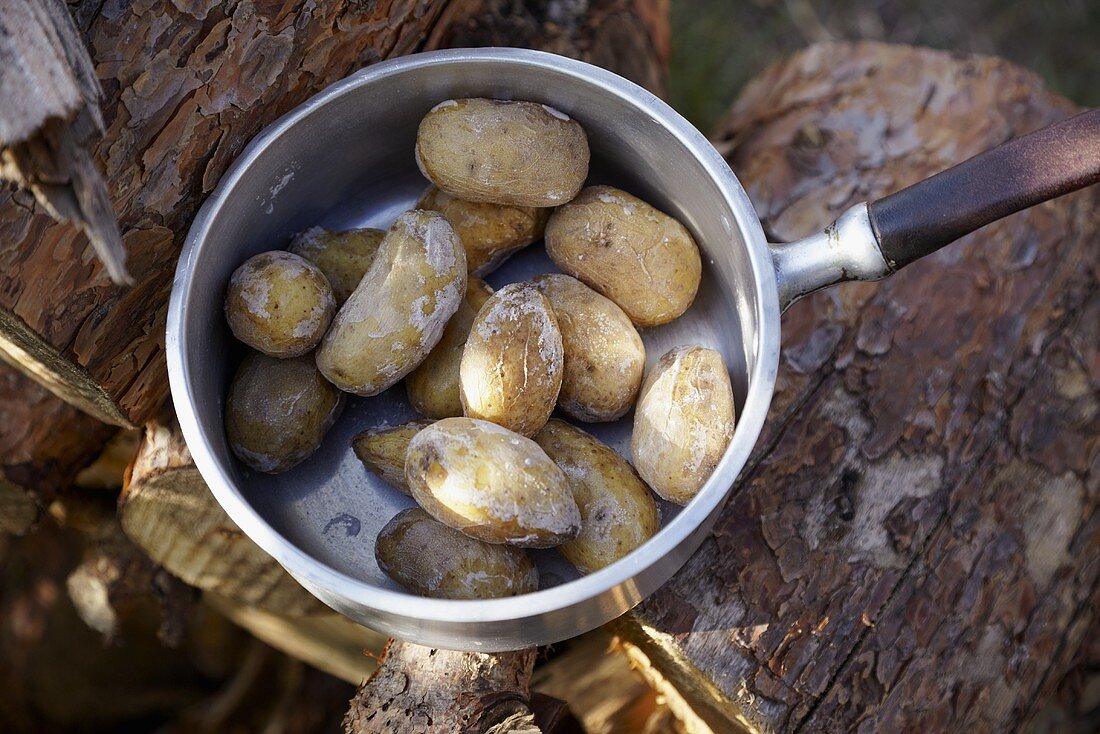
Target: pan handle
871 241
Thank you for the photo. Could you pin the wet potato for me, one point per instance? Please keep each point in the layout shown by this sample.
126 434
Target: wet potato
490 483
279 303
433 386
489 232
618 513
344 257
501 152
683 423
382 450
278 411
604 358
512 364
398 312
431 559
642 259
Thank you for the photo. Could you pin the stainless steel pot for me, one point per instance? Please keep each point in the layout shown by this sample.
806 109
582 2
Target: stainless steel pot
345 158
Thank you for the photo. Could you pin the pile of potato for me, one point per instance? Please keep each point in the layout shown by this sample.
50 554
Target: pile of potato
492 472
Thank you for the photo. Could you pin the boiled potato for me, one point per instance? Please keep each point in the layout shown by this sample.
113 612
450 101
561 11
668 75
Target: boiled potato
383 450
491 483
279 303
428 557
489 232
498 152
278 411
344 257
642 259
683 423
512 364
604 356
618 513
399 309
433 386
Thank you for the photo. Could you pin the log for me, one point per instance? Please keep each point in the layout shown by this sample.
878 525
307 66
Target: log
186 85
167 510
44 443
419 689
914 544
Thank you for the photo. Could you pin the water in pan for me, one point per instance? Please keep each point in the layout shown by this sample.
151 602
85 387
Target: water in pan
332 508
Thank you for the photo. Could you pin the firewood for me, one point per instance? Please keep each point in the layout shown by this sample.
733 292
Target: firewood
911 548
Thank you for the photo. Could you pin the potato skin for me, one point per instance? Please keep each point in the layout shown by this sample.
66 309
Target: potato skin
489 232
618 513
604 356
399 310
427 557
278 411
383 451
279 303
500 152
623 248
433 386
513 362
491 483
683 423
344 257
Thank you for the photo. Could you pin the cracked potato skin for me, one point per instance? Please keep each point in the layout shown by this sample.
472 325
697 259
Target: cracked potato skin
503 152
398 312
278 411
491 483
279 303
431 559
344 257
618 513
623 248
683 423
382 450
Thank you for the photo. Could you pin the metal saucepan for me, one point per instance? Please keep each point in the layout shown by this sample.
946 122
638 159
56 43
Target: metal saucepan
345 159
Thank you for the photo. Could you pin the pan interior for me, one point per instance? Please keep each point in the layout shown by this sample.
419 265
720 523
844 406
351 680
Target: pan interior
348 162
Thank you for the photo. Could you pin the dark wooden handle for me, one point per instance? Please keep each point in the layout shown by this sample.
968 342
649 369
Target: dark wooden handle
924 217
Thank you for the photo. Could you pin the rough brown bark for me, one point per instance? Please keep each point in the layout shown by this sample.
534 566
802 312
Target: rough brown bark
418 689
913 546
186 86
44 442
167 509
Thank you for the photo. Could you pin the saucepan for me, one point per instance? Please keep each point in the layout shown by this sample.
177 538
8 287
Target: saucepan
345 159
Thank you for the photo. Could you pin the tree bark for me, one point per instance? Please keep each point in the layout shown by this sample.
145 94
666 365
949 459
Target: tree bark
186 85
913 546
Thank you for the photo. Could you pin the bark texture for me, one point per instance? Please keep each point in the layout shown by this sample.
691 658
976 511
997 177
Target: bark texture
420 689
44 443
914 544
186 85
167 509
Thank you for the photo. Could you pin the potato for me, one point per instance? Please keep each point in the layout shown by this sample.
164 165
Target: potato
428 557
498 152
491 483
618 513
489 232
344 257
683 423
433 386
512 364
642 259
399 309
383 450
604 356
279 303
278 411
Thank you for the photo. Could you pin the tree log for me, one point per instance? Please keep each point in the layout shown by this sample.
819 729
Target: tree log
914 545
44 442
167 509
418 689
187 84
